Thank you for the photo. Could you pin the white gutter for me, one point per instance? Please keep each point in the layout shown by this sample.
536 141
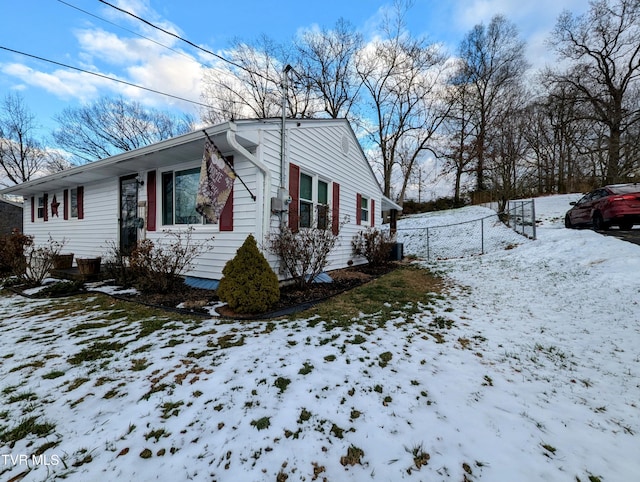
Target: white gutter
266 179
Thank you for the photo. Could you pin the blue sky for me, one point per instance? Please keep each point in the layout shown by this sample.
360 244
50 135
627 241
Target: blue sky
57 31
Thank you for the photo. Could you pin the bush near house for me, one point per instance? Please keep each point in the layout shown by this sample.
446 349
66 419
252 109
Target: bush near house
158 267
304 253
12 249
249 285
374 245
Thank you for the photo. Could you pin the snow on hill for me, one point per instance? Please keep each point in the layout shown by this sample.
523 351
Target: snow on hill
537 378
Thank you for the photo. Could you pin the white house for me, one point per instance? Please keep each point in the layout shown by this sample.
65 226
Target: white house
143 193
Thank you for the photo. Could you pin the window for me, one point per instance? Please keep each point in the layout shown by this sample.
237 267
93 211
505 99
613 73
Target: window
306 200
179 191
323 205
313 192
364 209
41 207
73 205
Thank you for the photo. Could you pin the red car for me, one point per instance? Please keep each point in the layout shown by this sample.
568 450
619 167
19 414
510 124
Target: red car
614 205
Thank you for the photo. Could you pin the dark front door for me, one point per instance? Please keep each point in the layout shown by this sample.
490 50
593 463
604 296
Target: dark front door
128 214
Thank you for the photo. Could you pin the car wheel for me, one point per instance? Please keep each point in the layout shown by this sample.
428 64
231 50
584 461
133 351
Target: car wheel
567 222
626 226
598 223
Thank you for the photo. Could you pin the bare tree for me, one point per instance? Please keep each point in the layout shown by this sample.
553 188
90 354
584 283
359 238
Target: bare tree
458 128
401 76
493 59
327 64
112 125
602 48
22 155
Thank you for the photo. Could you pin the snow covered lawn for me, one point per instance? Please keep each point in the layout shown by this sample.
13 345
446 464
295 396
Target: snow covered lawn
527 369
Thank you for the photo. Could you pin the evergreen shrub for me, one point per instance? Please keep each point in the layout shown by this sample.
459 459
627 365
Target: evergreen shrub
248 283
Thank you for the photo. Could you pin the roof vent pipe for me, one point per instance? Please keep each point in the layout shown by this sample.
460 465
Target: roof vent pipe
283 134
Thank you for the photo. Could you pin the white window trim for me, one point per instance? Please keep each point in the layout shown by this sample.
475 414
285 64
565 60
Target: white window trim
202 225
315 179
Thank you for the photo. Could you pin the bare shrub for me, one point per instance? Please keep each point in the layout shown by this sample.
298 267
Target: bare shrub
304 253
116 265
39 260
374 245
157 267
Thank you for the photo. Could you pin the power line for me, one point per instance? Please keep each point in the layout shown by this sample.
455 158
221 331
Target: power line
107 77
220 57
124 28
143 37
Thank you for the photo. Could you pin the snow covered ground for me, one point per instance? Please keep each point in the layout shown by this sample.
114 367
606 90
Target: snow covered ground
536 377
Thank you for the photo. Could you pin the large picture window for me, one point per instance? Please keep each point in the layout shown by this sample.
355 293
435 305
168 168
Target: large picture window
179 190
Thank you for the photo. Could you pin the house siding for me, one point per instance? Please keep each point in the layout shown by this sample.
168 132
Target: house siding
88 237
319 150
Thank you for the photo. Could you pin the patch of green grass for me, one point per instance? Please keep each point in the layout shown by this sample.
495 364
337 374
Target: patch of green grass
156 434
33 364
53 374
227 341
171 409
405 288
306 369
96 351
23 396
354 454
25 427
330 358
304 415
337 431
81 328
139 364
549 448
261 423
149 326
385 358
282 383
76 383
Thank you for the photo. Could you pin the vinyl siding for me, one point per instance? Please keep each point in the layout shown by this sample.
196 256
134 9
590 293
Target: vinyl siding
85 238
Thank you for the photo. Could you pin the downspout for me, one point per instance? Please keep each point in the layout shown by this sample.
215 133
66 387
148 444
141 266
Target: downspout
266 179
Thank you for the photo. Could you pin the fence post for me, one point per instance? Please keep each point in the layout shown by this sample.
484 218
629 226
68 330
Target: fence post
533 217
482 235
428 254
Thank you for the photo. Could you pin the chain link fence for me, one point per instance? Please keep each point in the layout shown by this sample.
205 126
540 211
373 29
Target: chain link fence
521 217
479 235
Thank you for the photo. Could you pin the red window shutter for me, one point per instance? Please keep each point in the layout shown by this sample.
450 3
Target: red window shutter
33 209
358 209
372 212
65 204
294 192
46 207
80 202
335 209
151 201
226 216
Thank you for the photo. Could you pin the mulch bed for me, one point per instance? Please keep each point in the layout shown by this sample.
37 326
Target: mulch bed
292 299
193 300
